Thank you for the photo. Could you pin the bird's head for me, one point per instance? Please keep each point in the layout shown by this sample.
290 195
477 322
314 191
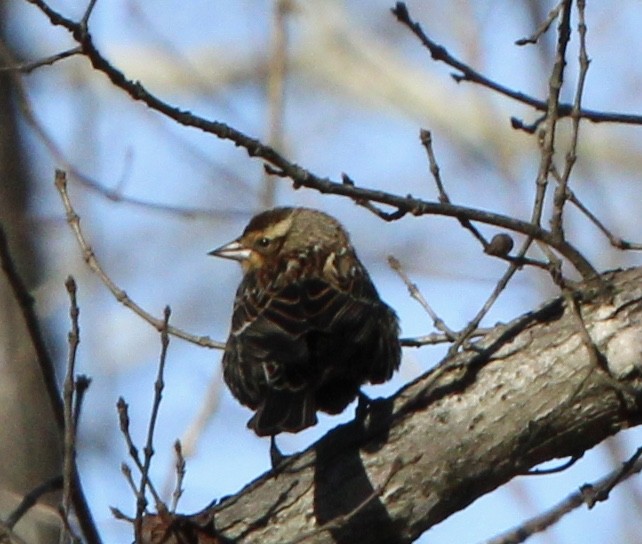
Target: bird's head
280 232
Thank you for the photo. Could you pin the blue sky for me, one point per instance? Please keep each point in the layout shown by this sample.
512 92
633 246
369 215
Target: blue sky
359 89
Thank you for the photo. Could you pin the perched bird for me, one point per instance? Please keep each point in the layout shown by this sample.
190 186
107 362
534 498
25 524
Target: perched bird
308 326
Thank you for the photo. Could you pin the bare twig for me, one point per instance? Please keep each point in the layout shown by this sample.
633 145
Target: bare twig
473 324
552 115
561 190
426 140
180 475
615 241
28 67
85 18
31 498
111 194
123 418
466 73
416 294
588 494
148 450
548 142
534 38
436 338
126 471
69 458
121 296
141 500
555 470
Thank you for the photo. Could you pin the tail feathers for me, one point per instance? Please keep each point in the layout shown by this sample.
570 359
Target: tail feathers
284 411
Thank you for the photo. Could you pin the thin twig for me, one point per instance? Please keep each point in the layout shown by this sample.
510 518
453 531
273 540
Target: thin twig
561 190
85 18
543 28
416 294
425 137
111 194
473 324
180 475
588 494
554 470
435 338
126 471
123 418
426 140
552 116
31 498
28 67
121 296
69 457
615 241
148 450
466 73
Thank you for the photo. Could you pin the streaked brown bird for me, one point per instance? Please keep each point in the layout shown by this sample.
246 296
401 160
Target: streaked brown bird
308 326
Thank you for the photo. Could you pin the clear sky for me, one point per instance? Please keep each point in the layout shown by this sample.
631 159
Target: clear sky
358 90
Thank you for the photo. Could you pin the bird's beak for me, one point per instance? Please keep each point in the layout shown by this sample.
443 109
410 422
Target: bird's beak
234 250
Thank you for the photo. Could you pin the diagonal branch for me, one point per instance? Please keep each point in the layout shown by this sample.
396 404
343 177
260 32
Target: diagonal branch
526 394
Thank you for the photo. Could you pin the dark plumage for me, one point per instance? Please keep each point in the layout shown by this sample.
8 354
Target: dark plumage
308 327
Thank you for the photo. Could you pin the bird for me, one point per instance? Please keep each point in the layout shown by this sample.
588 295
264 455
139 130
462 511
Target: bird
308 326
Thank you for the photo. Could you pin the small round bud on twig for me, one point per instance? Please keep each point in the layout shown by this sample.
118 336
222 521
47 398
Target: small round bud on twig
500 246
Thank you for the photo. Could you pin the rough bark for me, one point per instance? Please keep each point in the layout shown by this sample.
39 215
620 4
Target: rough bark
533 390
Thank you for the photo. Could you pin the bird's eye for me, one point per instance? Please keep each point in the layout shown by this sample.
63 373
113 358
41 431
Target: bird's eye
263 242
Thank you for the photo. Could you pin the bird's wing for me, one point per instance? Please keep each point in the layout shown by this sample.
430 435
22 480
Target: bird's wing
313 324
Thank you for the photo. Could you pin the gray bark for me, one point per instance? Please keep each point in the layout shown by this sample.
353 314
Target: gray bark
534 390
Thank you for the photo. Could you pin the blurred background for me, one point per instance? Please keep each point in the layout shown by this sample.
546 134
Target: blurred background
337 86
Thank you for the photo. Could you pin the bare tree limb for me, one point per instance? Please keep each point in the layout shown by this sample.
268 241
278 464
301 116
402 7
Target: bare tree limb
527 393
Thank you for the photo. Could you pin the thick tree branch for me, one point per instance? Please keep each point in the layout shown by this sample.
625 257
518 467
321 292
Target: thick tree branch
530 392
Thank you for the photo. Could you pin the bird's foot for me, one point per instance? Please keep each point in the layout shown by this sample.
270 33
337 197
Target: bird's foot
276 456
363 407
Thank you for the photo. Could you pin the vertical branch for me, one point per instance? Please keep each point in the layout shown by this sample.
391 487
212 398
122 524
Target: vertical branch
69 457
562 191
148 450
552 113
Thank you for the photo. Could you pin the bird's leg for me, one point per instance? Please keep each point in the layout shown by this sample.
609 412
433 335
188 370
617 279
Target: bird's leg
276 457
363 406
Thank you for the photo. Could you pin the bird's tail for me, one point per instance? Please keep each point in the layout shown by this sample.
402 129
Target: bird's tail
284 411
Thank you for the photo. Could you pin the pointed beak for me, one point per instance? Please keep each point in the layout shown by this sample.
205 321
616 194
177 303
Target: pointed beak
234 250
